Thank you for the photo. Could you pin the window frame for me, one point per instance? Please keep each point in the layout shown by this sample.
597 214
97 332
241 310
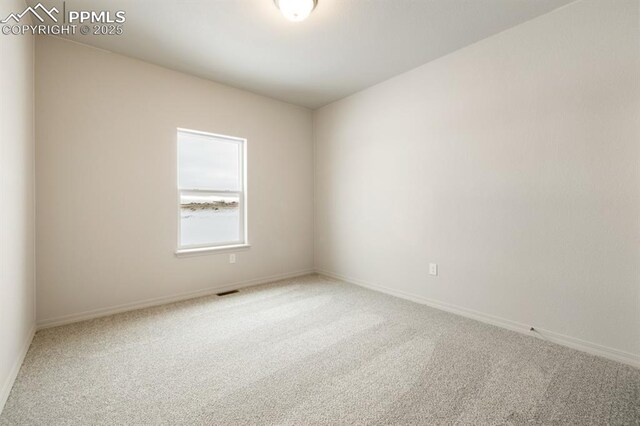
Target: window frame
243 241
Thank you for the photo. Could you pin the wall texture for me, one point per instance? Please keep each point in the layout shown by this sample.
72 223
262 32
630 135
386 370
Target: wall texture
107 199
17 261
513 164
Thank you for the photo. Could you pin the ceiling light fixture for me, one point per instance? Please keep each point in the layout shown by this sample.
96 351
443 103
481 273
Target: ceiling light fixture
296 10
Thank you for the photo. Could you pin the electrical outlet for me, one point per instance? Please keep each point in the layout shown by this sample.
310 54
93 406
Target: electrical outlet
433 269
232 258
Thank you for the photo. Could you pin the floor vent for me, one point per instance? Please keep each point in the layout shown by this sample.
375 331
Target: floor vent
224 293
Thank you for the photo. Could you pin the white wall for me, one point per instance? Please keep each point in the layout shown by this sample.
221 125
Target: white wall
17 263
513 164
107 201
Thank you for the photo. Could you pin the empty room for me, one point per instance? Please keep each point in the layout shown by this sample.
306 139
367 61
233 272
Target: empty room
320 212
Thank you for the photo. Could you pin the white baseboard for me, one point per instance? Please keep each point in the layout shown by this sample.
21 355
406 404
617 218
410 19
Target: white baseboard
15 369
551 336
103 312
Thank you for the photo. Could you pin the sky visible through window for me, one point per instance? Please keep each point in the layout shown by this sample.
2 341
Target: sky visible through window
207 165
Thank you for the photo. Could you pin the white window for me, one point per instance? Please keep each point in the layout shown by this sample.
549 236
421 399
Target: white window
212 189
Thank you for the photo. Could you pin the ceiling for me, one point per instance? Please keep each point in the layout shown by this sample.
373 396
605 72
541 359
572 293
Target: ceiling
344 46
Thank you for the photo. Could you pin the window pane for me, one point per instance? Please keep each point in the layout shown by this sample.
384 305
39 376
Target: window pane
206 162
209 219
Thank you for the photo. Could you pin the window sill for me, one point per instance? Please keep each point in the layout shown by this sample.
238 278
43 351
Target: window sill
211 250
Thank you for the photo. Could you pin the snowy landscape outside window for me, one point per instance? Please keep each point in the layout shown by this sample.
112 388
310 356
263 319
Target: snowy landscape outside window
211 186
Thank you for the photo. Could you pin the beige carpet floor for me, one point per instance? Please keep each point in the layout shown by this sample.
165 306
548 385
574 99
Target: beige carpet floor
310 351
